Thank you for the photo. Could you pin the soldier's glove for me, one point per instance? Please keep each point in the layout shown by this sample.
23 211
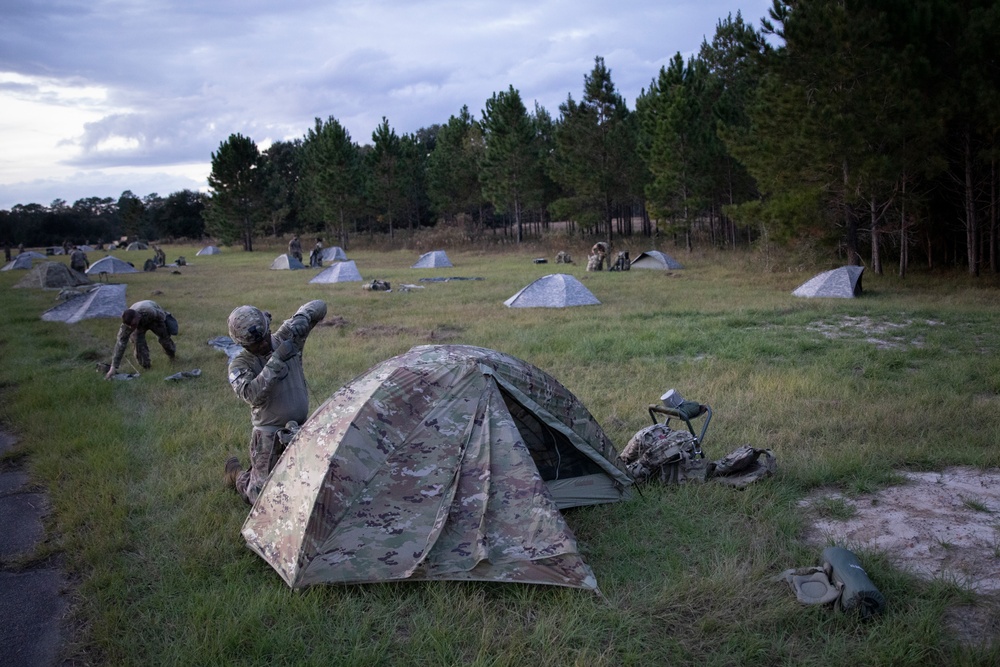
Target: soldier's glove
300 327
286 350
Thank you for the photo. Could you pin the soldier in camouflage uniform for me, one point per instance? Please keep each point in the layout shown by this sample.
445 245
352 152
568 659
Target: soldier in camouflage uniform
295 247
143 316
268 375
78 260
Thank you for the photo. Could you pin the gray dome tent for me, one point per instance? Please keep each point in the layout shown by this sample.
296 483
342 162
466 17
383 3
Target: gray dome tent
842 283
209 250
282 262
102 301
556 290
341 272
110 264
654 259
52 275
137 245
447 462
435 259
334 254
21 262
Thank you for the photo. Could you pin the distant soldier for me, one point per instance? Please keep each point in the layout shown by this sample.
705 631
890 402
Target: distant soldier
316 256
6 251
143 316
268 375
562 257
78 260
160 257
66 246
597 255
295 247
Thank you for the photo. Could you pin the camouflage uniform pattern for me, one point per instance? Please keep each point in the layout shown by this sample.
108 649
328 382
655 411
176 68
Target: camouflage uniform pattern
151 318
658 453
78 261
276 390
416 470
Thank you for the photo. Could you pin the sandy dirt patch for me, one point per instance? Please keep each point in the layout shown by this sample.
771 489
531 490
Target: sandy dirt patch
937 525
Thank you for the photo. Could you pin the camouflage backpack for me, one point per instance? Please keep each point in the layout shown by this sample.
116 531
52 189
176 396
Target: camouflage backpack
657 453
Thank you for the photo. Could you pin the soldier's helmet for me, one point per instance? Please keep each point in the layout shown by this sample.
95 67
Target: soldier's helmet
248 325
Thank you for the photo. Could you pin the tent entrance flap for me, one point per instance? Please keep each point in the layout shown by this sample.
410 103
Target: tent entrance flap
554 455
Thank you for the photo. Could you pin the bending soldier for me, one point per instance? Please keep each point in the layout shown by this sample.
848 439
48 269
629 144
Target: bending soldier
143 316
268 375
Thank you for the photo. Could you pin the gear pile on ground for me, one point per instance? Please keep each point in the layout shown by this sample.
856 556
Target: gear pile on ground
658 453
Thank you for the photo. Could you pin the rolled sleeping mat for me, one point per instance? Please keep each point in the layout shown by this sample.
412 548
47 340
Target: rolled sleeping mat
859 593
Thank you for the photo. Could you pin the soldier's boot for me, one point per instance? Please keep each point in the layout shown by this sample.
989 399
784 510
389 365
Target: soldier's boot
233 470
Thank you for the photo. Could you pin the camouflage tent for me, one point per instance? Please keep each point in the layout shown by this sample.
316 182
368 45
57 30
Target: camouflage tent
844 283
654 259
110 264
52 275
334 254
209 250
286 262
556 290
446 462
137 245
341 272
436 259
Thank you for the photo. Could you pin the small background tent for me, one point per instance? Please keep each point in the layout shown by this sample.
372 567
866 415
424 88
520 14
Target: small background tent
209 250
844 283
52 275
445 462
85 248
654 259
556 290
334 254
110 264
21 262
435 259
101 301
137 245
286 262
341 272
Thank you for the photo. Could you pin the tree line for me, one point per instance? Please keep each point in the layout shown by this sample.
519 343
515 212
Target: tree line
864 130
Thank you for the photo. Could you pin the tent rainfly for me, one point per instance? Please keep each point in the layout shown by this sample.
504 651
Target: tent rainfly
341 272
843 283
209 250
110 264
52 275
282 262
556 290
101 301
447 462
654 259
334 254
435 259
137 245
21 262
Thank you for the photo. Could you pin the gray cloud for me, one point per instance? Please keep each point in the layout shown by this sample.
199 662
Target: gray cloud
181 77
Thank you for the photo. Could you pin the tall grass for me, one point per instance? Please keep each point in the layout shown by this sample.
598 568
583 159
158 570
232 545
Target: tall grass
151 536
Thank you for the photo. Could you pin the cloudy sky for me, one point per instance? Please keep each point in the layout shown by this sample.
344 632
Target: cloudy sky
102 96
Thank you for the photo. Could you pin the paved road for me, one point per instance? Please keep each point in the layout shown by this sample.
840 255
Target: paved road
32 602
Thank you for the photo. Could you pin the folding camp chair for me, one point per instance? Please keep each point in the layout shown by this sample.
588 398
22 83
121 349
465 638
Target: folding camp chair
674 407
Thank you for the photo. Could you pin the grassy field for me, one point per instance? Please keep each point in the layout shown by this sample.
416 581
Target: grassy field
845 392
